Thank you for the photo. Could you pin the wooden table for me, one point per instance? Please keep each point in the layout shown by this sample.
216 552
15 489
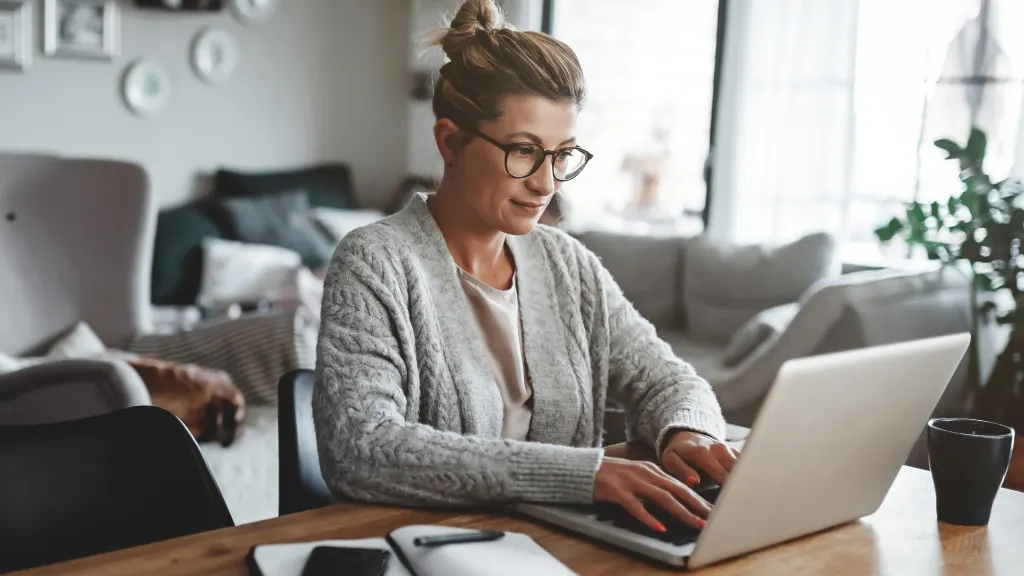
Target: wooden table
901 538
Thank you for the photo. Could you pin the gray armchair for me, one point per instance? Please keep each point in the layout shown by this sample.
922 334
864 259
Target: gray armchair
74 246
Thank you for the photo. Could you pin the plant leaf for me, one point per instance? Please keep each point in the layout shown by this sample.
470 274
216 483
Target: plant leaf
984 282
889 231
936 211
970 200
976 145
953 204
952 148
915 214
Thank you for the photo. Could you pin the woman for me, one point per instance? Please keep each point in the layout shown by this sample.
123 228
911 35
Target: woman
466 353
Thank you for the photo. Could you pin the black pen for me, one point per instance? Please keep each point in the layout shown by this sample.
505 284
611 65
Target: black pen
460 538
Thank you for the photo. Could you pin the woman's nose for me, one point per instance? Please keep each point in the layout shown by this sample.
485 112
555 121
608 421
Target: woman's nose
543 180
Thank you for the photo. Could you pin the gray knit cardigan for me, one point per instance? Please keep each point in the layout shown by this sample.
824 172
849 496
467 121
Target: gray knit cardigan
405 406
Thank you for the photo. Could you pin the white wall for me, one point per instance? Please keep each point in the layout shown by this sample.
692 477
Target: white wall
321 80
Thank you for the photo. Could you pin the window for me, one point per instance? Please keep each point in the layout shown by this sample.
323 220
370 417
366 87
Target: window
650 68
834 107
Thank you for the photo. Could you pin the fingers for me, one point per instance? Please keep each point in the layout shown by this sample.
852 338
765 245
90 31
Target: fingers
726 456
679 493
707 461
630 484
670 495
669 503
681 469
635 507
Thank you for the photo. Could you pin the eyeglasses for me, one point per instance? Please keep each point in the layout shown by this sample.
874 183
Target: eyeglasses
524 158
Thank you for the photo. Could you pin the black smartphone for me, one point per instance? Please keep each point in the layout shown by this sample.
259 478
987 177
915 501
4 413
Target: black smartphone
338 561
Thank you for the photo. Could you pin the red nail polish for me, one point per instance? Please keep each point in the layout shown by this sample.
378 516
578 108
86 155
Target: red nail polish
659 527
700 523
692 480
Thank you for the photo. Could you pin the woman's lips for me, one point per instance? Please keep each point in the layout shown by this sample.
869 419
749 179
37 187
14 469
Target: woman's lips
529 205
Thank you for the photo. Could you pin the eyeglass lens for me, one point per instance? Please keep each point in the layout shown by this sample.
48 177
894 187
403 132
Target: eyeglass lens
525 159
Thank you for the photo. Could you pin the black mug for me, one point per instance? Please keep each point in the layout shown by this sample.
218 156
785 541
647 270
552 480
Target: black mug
968 459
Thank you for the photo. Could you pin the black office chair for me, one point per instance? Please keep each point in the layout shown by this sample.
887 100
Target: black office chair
301 485
82 487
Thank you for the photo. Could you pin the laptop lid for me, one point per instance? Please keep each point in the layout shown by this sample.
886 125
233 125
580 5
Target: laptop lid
827 445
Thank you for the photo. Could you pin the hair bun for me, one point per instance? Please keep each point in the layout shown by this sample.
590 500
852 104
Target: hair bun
473 17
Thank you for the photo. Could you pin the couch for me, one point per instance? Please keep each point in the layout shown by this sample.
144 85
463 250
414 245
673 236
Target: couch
849 308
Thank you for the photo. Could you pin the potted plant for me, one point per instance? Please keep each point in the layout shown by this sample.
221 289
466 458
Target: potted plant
981 230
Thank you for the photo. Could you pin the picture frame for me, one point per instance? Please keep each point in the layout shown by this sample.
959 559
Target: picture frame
15 35
88 29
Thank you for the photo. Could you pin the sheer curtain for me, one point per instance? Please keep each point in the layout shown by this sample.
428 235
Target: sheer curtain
829 110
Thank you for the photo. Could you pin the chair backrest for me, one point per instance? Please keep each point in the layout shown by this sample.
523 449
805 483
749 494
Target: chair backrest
301 485
75 244
83 487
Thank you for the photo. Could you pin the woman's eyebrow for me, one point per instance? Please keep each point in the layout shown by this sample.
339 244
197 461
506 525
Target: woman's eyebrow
536 139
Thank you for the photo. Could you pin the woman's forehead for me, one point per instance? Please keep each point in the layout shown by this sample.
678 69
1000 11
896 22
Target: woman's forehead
553 122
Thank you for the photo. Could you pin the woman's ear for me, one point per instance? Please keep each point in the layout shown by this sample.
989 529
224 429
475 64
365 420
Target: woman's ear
446 137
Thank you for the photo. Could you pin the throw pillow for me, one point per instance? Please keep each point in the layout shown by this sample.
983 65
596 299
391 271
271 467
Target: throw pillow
726 285
328 185
207 401
178 253
338 223
78 342
765 325
236 273
284 220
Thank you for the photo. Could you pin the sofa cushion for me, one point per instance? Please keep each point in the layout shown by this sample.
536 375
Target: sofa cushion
239 273
705 357
328 185
726 285
284 220
178 253
646 268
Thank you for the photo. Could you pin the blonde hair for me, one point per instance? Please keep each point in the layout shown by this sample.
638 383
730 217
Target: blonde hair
488 59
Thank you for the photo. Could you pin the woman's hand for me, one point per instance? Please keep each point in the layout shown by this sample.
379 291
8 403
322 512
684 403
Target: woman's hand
630 484
686 450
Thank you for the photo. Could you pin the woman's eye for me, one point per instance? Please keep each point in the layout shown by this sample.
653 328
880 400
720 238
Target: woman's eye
524 151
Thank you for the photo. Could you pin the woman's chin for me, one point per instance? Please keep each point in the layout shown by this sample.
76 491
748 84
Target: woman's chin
520 226
522 219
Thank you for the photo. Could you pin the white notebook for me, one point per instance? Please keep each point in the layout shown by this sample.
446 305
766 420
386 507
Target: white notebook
515 554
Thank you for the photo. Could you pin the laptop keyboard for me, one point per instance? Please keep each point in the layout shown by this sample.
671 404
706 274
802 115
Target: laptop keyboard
675 533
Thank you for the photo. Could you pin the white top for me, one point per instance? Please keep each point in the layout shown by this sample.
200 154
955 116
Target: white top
497 314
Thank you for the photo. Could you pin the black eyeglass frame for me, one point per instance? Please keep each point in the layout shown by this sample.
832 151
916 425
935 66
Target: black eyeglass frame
508 148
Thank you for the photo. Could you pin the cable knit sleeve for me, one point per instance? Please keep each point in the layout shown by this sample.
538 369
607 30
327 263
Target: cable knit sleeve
369 444
660 391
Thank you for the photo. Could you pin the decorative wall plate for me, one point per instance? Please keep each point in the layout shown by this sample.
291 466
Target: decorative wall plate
147 87
252 11
214 55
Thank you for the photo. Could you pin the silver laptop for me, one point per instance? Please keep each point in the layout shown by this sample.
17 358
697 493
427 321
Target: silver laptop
829 440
